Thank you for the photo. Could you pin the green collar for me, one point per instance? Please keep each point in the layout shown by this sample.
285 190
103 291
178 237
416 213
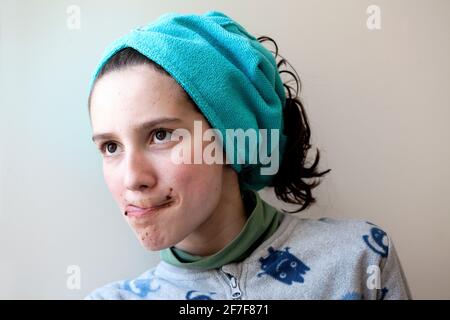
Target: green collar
261 224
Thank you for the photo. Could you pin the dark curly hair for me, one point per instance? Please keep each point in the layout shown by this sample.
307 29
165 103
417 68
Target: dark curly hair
288 182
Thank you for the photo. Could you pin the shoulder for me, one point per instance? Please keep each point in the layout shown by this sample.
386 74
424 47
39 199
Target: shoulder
133 289
365 233
110 291
340 235
341 255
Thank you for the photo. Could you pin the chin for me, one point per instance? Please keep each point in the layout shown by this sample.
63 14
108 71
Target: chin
152 246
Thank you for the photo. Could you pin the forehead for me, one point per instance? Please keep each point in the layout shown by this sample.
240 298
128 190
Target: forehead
135 92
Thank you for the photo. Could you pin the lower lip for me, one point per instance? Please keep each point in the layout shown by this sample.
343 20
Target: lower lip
146 212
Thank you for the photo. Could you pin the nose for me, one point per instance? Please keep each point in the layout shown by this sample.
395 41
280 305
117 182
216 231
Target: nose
139 174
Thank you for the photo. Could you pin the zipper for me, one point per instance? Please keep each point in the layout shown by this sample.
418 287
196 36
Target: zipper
236 292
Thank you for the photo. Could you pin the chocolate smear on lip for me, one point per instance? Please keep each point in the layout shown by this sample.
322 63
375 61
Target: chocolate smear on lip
168 197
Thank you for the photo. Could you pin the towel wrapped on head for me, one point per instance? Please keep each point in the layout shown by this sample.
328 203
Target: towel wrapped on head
228 73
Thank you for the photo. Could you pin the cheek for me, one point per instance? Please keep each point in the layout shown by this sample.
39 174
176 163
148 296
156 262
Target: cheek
199 184
199 180
113 182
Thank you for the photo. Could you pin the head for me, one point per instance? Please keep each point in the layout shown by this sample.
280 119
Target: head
134 109
129 92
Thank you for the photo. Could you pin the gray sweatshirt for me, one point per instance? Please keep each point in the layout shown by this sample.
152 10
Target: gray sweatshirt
303 259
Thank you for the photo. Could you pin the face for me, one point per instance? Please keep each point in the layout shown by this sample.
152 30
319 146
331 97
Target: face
137 163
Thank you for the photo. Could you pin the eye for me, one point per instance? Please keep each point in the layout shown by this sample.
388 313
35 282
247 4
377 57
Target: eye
108 148
282 275
293 264
161 135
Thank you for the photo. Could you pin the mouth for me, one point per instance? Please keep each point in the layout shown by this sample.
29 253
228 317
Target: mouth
280 263
137 212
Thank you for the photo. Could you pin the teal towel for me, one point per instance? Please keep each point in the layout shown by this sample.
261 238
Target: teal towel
231 77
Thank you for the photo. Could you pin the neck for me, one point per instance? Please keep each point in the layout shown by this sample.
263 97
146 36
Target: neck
223 225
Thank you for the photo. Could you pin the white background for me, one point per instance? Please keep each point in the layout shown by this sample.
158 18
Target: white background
377 101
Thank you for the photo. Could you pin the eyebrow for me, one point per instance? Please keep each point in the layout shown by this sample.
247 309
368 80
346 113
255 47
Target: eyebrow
140 127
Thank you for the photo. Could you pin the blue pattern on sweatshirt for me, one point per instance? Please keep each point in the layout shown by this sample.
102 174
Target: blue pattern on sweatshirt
383 293
352 296
283 266
140 287
377 241
190 295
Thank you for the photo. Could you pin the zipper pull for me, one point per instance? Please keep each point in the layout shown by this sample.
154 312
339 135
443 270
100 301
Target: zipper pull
235 290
